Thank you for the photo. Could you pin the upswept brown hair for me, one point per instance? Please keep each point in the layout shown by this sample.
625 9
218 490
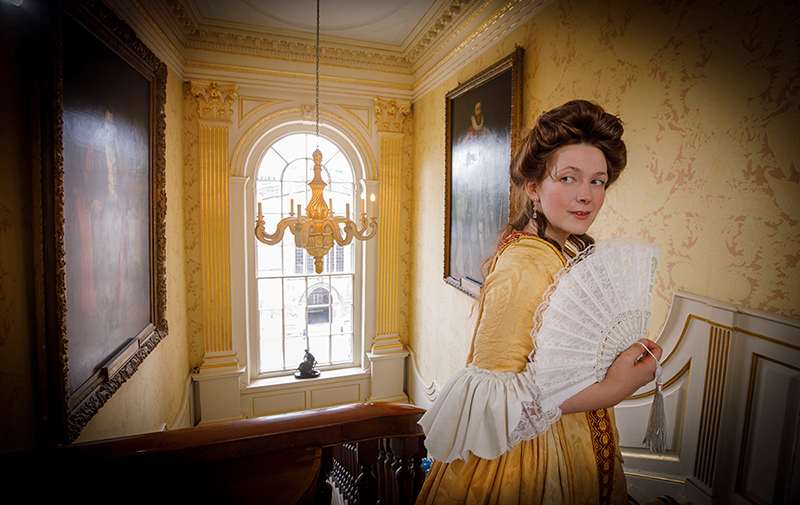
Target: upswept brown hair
575 122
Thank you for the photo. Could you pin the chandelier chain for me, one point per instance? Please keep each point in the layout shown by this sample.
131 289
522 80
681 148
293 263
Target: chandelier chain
320 228
317 104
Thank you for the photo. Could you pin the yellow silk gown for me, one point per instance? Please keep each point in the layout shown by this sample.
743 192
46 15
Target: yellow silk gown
577 460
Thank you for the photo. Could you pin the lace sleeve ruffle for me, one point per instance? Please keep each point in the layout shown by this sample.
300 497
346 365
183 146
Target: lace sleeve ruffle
485 413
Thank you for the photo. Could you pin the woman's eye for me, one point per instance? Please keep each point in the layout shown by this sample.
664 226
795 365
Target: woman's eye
599 182
566 178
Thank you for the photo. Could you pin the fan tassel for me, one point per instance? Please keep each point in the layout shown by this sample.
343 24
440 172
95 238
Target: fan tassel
655 437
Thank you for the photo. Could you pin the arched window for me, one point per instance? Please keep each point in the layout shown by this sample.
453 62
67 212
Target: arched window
297 308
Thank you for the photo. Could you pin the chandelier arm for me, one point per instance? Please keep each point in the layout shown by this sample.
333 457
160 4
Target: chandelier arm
349 228
275 238
372 226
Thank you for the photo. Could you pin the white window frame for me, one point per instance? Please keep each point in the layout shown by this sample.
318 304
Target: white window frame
362 312
308 265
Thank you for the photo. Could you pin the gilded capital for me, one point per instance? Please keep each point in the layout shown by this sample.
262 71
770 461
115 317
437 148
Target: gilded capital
214 101
390 115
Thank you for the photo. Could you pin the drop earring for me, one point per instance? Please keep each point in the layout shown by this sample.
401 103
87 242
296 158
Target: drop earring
535 215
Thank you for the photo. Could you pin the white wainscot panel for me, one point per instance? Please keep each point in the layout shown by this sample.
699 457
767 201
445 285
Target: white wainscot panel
325 397
278 403
772 421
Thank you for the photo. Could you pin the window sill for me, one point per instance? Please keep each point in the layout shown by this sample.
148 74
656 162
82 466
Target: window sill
289 381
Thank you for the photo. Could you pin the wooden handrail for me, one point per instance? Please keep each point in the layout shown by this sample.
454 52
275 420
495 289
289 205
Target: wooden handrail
322 427
286 457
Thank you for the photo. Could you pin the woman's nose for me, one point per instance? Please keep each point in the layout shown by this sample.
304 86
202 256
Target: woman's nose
585 193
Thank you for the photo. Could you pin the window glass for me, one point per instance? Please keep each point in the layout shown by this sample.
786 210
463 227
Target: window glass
299 309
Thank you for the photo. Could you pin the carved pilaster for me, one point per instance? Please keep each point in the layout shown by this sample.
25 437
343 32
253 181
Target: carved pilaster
218 377
387 356
390 116
214 101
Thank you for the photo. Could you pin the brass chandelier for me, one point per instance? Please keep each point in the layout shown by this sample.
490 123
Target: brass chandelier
319 228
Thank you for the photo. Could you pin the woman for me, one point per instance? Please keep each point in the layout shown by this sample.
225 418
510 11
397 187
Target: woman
559 175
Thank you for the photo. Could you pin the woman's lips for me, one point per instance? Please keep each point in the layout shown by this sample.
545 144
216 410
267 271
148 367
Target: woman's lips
580 214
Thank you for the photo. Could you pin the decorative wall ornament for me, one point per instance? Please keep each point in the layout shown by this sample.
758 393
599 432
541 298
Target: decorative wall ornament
214 101
308 112
390 115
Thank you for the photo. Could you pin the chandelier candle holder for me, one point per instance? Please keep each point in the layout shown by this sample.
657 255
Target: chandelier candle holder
320 228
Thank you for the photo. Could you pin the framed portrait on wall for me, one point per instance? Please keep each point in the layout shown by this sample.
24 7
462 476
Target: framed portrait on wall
483 116
104 211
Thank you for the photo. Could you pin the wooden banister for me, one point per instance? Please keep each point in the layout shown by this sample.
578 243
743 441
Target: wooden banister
286 456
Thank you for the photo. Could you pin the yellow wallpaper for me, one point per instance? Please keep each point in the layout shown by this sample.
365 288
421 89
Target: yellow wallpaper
406 212
709 95
154 394
193 228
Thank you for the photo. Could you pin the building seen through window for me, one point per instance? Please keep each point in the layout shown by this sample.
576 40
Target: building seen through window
297 308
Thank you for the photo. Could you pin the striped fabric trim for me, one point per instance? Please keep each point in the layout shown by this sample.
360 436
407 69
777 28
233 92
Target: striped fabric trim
604 451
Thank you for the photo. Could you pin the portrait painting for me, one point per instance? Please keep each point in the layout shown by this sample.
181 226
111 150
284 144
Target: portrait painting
106 268
482 116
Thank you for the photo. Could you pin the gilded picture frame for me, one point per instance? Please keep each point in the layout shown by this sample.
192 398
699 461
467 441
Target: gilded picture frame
483 117
103 211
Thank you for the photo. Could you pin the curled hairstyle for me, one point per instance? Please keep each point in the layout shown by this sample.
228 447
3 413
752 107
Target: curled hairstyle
575 122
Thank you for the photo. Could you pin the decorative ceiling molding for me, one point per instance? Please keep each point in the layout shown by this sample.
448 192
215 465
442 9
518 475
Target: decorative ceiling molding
295 75
448 35
250 40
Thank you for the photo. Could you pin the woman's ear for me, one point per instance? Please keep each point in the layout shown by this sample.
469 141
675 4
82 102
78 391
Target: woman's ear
531 190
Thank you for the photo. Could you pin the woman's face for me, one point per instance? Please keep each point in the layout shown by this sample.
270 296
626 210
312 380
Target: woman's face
572 194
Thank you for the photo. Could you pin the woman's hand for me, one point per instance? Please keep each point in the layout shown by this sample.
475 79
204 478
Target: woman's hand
631 370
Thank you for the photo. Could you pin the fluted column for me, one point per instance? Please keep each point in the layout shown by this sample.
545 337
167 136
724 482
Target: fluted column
390 116
388 353
220 363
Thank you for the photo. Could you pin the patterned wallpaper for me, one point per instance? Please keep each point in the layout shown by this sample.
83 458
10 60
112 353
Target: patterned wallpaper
708 92
193 227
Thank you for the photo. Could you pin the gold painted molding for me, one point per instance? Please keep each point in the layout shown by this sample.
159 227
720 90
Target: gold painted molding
390 116
475 35
214 101
296 75
246 112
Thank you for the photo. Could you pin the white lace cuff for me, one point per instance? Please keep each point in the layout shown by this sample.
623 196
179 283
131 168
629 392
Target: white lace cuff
485 413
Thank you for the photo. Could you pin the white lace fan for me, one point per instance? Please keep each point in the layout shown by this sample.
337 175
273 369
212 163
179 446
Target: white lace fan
598 307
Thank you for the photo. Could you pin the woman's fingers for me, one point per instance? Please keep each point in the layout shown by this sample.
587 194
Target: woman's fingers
651 346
